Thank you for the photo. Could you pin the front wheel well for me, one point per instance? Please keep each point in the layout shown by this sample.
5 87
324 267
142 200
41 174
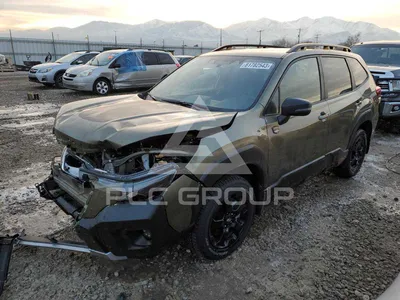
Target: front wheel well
367 127
256 179
101 78
58 73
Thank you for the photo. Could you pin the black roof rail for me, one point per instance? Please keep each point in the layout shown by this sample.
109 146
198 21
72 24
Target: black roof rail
305 46
231 46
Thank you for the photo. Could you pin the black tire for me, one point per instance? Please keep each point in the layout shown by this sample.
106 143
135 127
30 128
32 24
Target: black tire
230 221
102 87
353 162
48 84
58 80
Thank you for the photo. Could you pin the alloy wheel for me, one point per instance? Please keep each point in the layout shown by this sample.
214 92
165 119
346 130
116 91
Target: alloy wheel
227 223
357 153
102 87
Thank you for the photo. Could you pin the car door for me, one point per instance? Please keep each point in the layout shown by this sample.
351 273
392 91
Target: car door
153 72
297 147
168 65
343 101
122 73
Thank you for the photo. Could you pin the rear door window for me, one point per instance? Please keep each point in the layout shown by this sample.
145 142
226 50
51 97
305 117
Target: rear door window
165 59
336 75
150 59
359 73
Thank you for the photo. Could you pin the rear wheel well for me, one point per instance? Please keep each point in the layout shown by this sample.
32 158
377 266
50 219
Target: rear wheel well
367 127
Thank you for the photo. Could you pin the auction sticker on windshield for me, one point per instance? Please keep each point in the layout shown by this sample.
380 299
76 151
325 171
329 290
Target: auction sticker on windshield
256 65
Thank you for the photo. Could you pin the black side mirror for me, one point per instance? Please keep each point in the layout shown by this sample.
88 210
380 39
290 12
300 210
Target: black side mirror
116 66
294 107
143 95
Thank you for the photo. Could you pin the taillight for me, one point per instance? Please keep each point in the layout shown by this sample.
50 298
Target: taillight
378 91
178 65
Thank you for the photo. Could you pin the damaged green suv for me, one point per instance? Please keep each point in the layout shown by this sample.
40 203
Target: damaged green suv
199 153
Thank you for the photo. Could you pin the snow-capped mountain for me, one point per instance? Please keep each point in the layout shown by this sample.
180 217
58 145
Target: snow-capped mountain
327 29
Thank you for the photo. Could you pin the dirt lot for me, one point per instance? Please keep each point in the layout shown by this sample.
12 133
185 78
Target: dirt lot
338 239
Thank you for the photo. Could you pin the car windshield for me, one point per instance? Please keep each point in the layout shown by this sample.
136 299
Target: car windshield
219 83
68 58
379 54
103 59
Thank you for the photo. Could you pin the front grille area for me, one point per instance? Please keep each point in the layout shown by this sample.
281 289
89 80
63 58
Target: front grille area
384 86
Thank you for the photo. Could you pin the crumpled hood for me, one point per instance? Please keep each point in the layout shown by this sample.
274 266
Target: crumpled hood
387 71
122 120
78 69
46 65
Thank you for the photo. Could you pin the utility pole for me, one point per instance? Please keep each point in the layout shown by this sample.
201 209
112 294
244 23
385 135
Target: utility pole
183 47
220 37
247 40
299 36
163 44
260 32
141 43
54 46
115 37
317 37
201 47
88 42
12 48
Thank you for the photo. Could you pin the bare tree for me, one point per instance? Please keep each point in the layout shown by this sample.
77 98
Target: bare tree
352 39
283 42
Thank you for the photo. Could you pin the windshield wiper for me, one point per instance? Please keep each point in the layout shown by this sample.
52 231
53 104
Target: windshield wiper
181 103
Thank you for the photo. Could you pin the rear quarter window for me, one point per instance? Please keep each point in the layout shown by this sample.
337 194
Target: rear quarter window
336 75
359 73
150 59
165 59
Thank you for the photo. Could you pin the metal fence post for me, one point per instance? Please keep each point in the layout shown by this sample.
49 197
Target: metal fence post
54 46
12 48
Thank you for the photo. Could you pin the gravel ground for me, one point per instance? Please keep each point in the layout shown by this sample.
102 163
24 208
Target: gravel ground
338 239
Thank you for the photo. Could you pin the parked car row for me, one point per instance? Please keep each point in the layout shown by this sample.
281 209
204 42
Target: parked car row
106 71
121 69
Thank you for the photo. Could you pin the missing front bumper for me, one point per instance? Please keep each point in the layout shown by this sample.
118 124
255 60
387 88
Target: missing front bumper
6 247
7 244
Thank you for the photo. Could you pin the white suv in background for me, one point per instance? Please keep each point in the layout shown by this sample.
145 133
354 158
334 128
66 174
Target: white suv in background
121 69
51 73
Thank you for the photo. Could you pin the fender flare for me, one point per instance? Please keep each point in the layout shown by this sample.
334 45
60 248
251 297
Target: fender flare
252 157
365 116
